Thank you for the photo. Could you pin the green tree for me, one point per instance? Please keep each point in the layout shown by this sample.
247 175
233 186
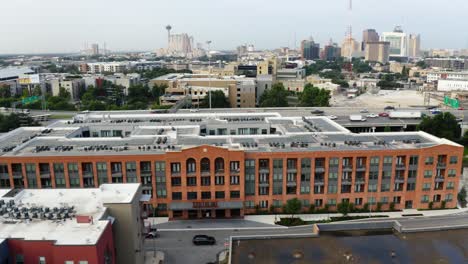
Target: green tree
276 97
13 121
345 207
157 91
422 64
5 91
63 93
442 125
37 90
313 96
218 100
461 197
293 206
387 129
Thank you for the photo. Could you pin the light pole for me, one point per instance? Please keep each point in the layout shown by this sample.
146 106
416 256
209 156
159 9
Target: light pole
209 71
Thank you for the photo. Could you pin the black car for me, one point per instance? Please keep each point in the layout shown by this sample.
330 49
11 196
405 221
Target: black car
317 112
203 240
389 108
431 107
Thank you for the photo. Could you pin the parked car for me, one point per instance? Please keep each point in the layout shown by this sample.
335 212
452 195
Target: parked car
332 117
151 235
436 111
461 108
431 107
317 112
203 240
194 110
364 111
383 114
372 115
389 107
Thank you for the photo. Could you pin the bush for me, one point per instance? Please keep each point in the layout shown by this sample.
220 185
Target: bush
431 205
443 204
291 221
311 209
379 206
392 206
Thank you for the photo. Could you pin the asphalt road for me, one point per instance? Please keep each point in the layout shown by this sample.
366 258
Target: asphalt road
178 247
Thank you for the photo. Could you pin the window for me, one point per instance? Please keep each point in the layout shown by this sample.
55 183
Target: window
388 160
426 186
83 262
448 197
191 195
412 174
176 181
427 174
372 188
425 199
397 199
42 260
304 189
263 204
235 194
305 203
175 167
372 200
332 189
69 262
373 175
452 173
161 193
358 201
206 195
450 185
334 162
176 196
318 202
413 160
249 204
219 195
411 186
234 180
386 174
385 187
205 181
429 160
374 161
219 180
384 200
160 166
331 202
333 175
191 181
19 259
453 160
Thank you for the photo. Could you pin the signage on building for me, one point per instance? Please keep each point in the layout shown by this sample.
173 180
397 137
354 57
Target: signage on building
29 79
205 205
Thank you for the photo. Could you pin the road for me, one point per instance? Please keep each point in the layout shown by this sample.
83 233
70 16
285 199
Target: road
178 248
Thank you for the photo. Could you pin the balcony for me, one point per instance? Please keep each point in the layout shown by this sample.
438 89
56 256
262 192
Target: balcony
45 174
399 179
360 180
439 179
204 173
291 184
264 184
320 169
175 173
219 171
147 186
292 170
145 173
117 174
346 181
264 170
319 182
235 171
73 174
347 168
88 174
441 165
400 166
17 175
360 168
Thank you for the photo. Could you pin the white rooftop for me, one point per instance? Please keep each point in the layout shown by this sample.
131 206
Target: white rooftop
86 202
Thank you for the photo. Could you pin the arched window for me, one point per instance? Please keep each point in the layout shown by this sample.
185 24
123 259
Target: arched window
191 166
219 165
205 165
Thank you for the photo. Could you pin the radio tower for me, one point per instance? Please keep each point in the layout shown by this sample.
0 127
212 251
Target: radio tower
349 37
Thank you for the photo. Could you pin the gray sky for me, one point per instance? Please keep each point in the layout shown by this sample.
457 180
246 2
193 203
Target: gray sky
28 26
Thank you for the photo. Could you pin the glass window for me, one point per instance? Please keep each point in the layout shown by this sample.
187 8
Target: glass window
450 185
331 202
426 186
334 162
427 174
332 188
384 200
388 160
429 160
333 175
372 187
453 159
375 161
452 173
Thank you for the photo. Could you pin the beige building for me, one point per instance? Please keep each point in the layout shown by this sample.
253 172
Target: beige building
268 66
414 45
240 90
378 51
74 86
350 48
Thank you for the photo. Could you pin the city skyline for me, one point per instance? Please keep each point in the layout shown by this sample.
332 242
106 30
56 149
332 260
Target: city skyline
142 28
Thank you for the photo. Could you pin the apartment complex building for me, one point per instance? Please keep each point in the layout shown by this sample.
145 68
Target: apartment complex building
215 164
239 90
378 51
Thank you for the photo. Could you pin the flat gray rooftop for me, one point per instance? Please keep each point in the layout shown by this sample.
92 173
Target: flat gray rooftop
146 132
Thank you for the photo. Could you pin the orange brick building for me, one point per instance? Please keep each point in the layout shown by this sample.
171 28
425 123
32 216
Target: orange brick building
228 165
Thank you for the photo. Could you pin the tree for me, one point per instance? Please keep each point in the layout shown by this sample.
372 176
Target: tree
218 100
422 64
293 206
157 91
387 129
442 125
313 96
5 91
37 90
461 197
13 121
276 97
63 93
345 207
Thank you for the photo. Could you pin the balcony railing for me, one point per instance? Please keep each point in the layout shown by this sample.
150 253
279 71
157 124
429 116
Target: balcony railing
145 173
439 178
175 173
441 165
88 174
292 170
219 171
205 173
360 168
360 180
346 181
235 171
117 174
45 174
320 169
400 166
347 167
399 179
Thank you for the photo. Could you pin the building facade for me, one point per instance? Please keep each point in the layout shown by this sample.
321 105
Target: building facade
206 165
369 35
378 51
398 42
310 50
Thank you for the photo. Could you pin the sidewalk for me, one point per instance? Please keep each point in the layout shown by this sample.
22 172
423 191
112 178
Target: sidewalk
270 219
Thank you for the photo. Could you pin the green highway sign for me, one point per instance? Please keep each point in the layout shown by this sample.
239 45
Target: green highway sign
30 100
454 103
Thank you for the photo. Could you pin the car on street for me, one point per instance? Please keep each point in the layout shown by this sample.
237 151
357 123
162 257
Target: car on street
364 111
461 108
383 114
194 110
151 235
203 240
372 115
431 107
387 108
436 111
332 117
317 112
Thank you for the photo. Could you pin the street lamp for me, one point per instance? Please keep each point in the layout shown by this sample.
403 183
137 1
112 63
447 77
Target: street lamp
209 71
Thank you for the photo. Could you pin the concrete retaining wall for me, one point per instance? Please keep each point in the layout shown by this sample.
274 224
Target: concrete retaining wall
356 226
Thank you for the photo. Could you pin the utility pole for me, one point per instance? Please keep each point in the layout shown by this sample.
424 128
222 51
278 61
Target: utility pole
209 71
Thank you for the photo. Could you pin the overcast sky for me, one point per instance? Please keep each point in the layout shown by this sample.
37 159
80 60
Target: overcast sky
39 26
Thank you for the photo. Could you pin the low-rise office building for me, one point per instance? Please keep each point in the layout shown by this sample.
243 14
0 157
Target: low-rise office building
218 164
95 225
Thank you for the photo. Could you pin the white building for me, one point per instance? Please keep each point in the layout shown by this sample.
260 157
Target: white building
398 42
446 75
452 85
